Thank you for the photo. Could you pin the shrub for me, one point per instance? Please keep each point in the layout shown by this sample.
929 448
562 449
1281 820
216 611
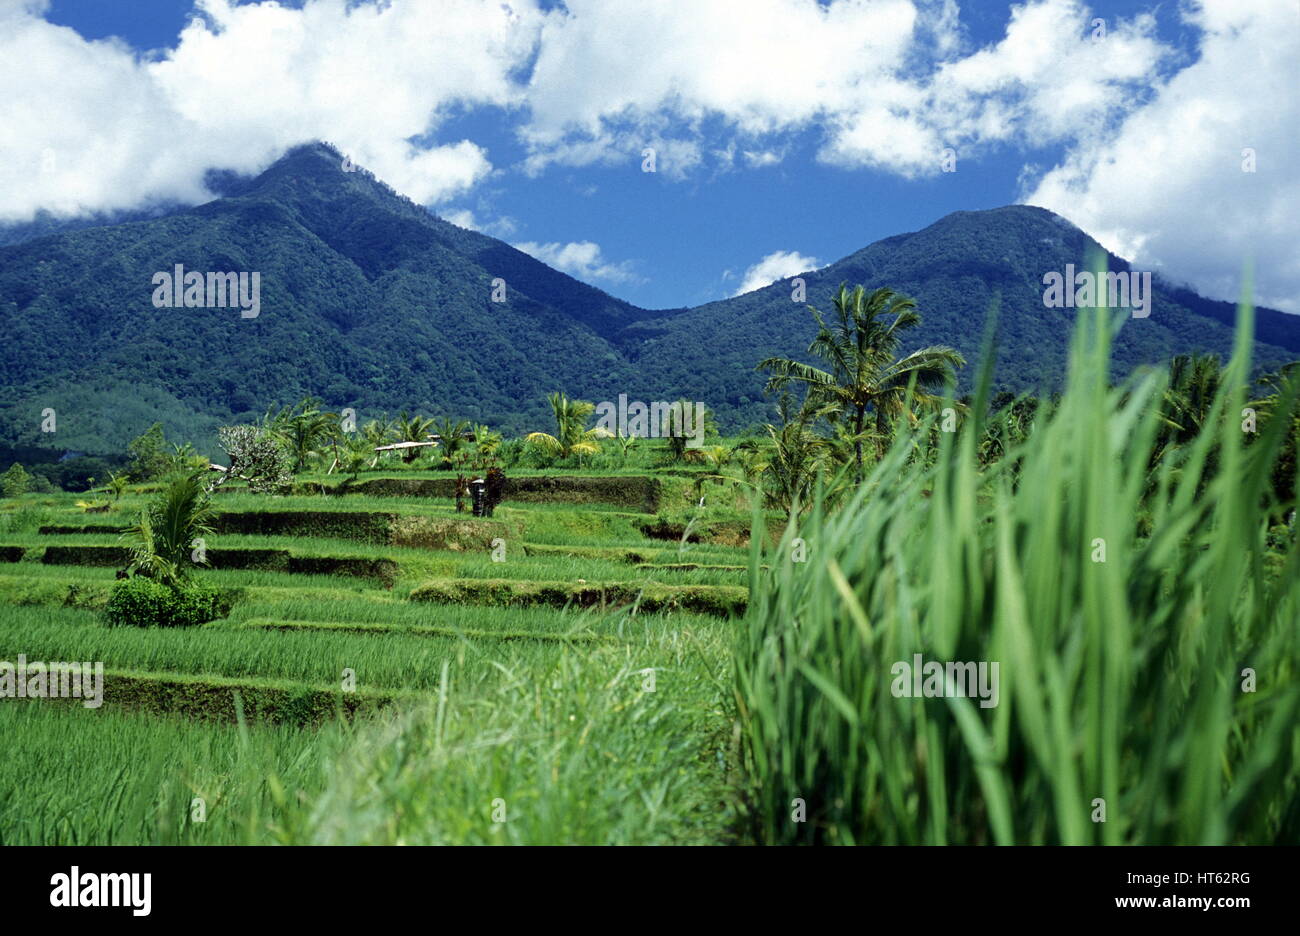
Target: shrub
15 481
142 602
163 542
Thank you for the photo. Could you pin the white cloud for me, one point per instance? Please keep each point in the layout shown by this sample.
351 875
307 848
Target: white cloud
884 82
757 159
1152 140
775 266
503 226
104 128
1168 191
581 259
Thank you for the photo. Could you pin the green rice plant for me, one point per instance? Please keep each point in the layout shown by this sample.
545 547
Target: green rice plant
116 777
721 600
585 750
1148 658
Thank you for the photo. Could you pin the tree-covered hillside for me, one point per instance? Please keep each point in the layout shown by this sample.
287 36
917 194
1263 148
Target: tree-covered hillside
369 301
957 269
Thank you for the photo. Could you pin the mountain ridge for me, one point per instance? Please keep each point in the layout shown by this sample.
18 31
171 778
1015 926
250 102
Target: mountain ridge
373 302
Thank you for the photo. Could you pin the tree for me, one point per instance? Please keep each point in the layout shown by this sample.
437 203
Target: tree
15 481
572 437
412 428
183 458
1194 381
1277 388
163 543
117 485
794 461
304 430
377 432
486 442
865 377
149 456
255 457
355 454
452 436
681 417
715 456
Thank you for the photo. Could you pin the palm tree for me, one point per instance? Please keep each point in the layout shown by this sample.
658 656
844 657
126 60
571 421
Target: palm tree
303 429
572 437
794 461
452 435
412 429
1185 406
162 541
715 456
1275 389
752 456
356 452
118 482
1194 381
865 377
377 431
486 442
682 412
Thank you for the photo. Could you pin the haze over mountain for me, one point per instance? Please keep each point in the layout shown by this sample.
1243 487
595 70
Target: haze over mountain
370 301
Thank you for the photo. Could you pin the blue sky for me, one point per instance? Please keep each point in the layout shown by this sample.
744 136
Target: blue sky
787 133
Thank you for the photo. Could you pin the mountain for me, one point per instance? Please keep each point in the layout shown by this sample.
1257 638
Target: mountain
367 300
371 302
956 269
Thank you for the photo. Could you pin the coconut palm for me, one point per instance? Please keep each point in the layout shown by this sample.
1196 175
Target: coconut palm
795 460
683 412
452 436
161 543
1194 381
572 437
304 430
413 428
865 377
486 442
353 455
377 432
715 456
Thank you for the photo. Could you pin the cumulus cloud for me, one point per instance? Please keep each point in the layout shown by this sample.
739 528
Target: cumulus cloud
885 83
1168 190
775 266
713 85
95 126
581 259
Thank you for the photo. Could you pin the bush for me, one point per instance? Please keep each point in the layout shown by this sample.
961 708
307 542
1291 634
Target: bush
16 481
142 602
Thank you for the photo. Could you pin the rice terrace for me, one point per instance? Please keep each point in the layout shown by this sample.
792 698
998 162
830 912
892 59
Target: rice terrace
341 504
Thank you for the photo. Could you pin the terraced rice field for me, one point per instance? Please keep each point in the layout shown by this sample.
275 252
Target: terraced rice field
553 665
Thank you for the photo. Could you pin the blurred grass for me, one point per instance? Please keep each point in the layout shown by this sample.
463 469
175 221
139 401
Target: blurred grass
1120 679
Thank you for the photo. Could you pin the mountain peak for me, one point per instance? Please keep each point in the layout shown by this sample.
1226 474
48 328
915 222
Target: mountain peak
370 301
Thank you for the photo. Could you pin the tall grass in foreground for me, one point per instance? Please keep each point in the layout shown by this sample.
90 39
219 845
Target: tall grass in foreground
1121 680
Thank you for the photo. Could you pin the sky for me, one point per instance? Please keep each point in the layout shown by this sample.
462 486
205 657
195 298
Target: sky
674 152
